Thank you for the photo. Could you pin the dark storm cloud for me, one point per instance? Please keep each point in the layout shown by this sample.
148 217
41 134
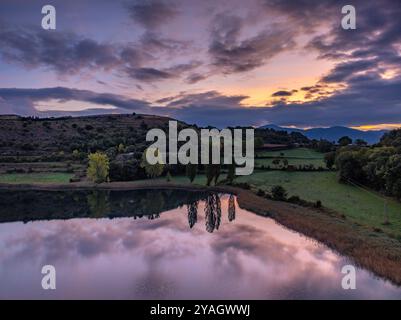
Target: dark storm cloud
313 89
230 54
378 31
69 54
153 74
66 53
149 74
25 99
195 77
357 105
305 13
151 13
152 41
205 99
346 70
282 93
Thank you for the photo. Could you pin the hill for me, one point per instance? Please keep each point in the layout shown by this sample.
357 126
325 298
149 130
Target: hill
46 138
334 133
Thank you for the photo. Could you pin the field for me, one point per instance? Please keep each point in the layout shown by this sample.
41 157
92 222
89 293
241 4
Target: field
354 203
295 157
21 178
301 153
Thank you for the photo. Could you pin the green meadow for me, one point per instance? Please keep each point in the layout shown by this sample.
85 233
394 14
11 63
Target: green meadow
295 157
25 178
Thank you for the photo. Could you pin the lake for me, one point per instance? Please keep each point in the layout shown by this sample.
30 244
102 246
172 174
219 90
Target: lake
163 244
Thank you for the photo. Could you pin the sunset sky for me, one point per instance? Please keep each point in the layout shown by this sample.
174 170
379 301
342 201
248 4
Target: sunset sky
217 62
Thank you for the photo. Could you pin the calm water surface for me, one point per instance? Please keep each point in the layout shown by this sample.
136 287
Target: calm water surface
189 246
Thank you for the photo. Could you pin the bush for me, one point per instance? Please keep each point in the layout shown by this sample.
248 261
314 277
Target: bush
279 193
126 171
242 185
318 204
329 159
261 193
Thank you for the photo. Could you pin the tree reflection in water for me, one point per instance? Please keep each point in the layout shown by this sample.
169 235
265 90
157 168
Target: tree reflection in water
231 208
212 212
35 205
192 213
98 202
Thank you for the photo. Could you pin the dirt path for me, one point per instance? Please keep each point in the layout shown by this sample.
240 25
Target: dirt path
370 249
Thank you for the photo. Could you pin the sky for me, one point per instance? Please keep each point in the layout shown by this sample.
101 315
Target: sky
209 62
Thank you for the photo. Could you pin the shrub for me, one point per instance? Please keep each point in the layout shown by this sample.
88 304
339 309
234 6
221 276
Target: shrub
279 193
243 185
261 193
191 171
144 126
126 170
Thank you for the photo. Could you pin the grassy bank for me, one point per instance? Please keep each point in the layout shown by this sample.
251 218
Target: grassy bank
354 203
295 157
27 178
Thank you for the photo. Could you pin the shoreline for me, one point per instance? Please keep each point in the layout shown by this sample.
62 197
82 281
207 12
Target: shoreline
369 249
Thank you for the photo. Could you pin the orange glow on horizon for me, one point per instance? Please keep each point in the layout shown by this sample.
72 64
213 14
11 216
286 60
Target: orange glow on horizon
383 126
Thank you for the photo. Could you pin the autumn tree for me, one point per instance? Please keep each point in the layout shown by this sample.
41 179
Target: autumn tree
98 168
152 170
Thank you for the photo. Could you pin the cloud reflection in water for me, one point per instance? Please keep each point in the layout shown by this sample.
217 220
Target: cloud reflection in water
249 257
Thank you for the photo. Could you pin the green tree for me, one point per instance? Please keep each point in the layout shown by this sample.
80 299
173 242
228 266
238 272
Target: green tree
209 171
76 154
98 168
279 193
344 141
191 171
276 162
393 176
324 146
329 159
231 172
259 142
152 170
360 142
217 171
349 165
120 148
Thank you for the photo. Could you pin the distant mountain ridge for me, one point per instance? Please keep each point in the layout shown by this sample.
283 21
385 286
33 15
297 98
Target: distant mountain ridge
333 133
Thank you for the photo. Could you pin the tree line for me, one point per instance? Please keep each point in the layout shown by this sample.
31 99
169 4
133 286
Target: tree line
377 166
